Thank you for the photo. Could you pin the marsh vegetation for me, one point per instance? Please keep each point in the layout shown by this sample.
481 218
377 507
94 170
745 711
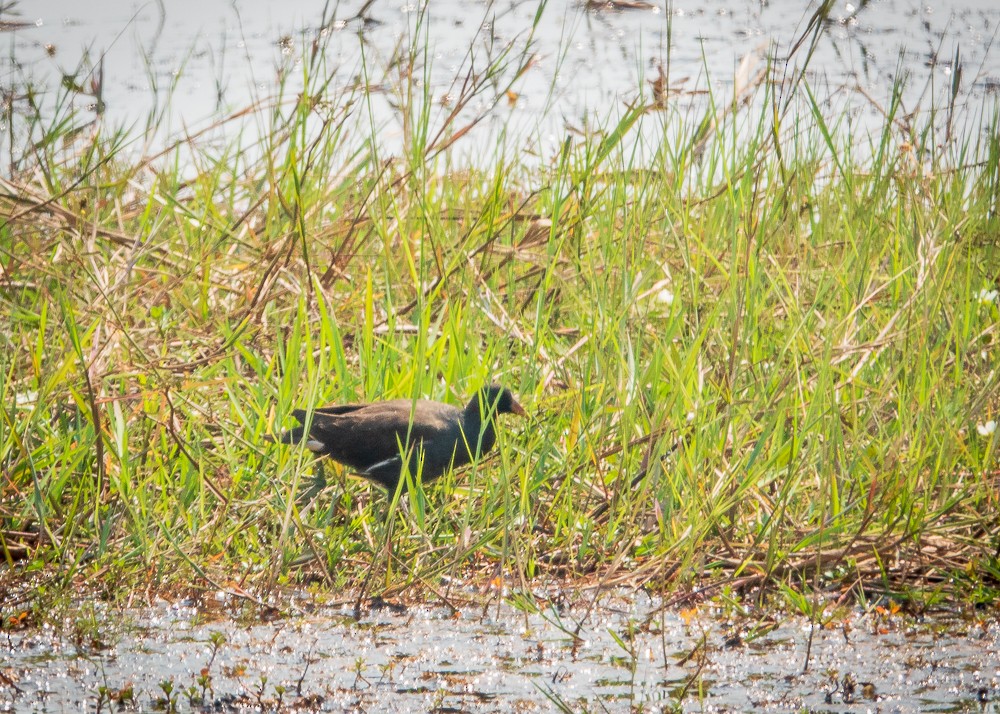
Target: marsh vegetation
759 349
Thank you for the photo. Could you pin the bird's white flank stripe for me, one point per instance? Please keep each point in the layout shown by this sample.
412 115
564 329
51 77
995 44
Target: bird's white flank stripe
314 445
380 464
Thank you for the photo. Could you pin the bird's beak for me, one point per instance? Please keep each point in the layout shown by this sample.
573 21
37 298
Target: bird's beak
518 409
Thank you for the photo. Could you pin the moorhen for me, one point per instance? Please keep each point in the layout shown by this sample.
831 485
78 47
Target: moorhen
369 438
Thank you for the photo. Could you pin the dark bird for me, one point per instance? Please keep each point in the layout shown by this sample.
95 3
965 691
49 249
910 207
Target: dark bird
371 438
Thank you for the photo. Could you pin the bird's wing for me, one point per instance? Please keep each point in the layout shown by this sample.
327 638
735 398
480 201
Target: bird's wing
373 433
334 410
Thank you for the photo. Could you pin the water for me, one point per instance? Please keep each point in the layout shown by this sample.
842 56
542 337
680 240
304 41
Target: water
588 64
612 653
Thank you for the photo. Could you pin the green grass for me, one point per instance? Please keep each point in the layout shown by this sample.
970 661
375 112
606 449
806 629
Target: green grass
801 417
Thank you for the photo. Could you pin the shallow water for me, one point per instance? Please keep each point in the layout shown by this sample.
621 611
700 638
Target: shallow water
623 653
589 63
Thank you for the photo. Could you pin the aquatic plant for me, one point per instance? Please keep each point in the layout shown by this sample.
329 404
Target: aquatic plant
754 343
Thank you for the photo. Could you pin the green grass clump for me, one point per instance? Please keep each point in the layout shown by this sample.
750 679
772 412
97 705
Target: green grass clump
758 349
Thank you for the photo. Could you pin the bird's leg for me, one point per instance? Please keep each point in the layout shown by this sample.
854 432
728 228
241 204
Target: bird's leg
317 485
392 500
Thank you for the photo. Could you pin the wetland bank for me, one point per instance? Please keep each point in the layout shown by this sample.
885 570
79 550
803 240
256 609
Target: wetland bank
748 297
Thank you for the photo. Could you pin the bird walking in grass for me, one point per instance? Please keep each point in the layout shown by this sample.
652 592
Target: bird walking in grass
371 439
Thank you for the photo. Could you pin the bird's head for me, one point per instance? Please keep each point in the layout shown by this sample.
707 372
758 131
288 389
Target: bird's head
496 400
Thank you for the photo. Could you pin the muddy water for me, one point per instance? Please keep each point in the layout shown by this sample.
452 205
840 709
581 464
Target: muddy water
211 58
622 653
